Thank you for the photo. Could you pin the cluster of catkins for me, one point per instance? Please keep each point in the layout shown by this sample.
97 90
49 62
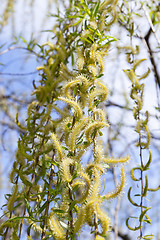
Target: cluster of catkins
58 190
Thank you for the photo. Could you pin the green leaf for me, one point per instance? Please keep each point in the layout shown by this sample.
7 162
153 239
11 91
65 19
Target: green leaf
74 91
154 189
76 23
147 220
58 211
65 148
100 133
95 10
132 174
146 166
86 40
42 208
132 228
146 187
73 203
148 237
101 75
143 213
29 229
29 209
24 40
129 198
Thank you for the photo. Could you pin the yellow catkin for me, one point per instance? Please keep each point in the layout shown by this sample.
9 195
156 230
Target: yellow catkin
78 183
99 114
93 96
98 153
93 69
76 131
90 210
102 92
12 198
56 228
104 88
115 160
83 187
119 187
69 85
86 178
57 145
65 74
94 126
94 165
80 79
100 61
93 50
65 167
96 185
80 219
80 59
104 219
74 104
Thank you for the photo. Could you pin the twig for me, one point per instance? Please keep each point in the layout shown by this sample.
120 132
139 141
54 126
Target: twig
155 70
122 235
18 74
151 24
22 48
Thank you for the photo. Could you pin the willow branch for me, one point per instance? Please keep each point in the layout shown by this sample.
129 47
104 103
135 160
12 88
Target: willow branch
154 66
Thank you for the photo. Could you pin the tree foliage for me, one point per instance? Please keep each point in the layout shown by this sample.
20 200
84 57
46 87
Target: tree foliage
62 162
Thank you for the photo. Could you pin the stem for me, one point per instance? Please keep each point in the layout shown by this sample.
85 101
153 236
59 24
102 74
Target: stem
141 203
70 221
96 224
48 201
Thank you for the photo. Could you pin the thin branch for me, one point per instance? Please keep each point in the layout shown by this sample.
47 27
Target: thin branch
22 48
15 99
122 235
155 70
18 74
151 24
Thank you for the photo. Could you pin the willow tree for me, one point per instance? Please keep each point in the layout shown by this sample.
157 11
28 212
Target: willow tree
57 188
